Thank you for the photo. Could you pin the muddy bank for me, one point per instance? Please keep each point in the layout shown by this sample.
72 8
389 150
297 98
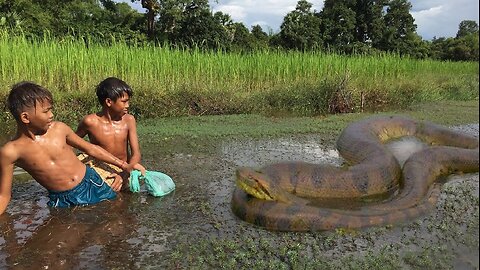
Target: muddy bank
194 228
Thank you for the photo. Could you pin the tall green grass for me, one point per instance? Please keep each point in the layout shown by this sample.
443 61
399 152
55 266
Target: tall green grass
177 82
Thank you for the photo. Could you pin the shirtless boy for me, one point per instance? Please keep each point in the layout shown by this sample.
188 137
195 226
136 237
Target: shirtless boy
113 128
43 148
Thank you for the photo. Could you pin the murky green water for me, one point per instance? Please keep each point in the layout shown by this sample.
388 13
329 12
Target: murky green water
138 231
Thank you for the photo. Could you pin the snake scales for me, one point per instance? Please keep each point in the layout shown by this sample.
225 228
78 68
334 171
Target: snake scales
278 196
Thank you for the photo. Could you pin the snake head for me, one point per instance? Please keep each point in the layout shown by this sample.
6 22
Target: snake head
261 186
254 183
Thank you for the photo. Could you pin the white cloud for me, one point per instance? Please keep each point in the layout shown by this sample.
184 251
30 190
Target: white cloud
428 13
261 23
237 13
419 5
271 7
441 18
269 13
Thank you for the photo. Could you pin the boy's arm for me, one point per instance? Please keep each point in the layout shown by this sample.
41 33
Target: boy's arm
94 150
82 127
136 155
7 160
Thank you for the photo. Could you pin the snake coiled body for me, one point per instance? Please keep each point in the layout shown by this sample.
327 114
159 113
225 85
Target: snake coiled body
277 196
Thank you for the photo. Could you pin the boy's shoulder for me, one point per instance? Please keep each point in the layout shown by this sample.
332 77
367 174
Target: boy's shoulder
90 119
129 117
15 146
129 120
9 151
57 125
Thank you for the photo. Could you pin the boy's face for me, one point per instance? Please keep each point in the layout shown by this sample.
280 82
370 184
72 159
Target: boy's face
40 118
120 106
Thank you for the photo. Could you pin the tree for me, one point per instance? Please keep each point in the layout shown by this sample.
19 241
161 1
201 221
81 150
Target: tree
199 27
242 39
455 49
472 43
260 38
438 48
170 17
467 27
369 23
80 18
400 31
228 25
338 23
153 8
464 47
29 16
121 20
300 28
170 13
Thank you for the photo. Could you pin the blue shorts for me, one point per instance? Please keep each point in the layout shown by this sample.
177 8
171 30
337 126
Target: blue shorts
92 189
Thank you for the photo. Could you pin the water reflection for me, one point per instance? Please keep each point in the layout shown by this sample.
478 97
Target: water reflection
255 153
33 235
123 234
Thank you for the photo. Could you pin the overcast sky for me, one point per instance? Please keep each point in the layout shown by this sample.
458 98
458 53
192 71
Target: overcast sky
438 18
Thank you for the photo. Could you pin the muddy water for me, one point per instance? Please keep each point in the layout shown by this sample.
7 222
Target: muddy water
138 231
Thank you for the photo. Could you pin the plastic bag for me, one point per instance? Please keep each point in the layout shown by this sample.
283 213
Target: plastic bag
157 183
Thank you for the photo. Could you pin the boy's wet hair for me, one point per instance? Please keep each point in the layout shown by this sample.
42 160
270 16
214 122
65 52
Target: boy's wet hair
26 95
112 88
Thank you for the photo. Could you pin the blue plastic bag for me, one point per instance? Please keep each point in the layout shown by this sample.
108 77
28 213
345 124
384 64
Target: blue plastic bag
157 183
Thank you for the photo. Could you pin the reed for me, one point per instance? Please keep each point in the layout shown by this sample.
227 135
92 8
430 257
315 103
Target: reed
170 81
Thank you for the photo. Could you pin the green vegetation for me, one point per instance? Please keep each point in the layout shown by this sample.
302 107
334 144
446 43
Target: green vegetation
350 27
198 134
443 113
174 82
183 59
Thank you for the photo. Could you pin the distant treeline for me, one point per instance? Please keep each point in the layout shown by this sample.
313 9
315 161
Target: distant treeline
342 26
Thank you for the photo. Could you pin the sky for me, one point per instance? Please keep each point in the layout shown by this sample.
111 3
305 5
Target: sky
434 18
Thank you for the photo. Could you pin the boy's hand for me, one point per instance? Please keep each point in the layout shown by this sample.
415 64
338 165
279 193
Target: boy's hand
117 182
139 167
129 167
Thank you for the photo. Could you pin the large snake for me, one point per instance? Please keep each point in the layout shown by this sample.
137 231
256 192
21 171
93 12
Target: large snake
279 196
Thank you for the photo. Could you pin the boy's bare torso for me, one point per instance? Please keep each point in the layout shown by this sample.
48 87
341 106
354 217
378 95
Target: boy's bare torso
110 135
48 158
